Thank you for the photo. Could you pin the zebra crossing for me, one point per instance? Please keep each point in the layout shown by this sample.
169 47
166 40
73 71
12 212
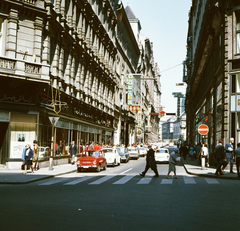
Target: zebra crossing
121 180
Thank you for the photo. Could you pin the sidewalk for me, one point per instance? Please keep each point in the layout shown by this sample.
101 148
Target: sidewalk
192 168
16 176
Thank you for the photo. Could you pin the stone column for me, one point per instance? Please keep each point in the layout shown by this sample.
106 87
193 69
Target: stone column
11 44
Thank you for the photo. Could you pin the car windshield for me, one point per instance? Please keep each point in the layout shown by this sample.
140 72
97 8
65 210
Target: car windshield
141 148
161 151
107 150
90 153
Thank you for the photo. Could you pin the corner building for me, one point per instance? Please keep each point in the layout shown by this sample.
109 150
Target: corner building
211 71
57 59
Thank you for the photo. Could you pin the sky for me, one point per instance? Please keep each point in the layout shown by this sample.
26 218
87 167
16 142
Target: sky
165 23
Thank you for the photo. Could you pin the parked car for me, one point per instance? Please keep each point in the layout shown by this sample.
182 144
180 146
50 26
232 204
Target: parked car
142 151
162 155
44 152
133 153
124 155
112 156
92 159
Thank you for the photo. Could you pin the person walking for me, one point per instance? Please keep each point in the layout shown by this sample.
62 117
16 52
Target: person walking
204 154
230 154
219 156
27 156
73 151
172 162
237 155
35 155
198 152
150 162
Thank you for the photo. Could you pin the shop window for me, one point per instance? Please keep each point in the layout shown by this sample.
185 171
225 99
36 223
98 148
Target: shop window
238 32
238 82
23 129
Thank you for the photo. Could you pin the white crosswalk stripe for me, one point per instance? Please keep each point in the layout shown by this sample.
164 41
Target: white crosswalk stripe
189 180
124 180
73 180
145 180
101 180
211 181
79 180
167 181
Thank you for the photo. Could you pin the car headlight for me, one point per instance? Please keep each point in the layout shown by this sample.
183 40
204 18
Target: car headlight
78 162
94 162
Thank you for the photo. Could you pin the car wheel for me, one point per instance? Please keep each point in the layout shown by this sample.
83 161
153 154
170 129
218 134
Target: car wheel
105 167
99 168
79 169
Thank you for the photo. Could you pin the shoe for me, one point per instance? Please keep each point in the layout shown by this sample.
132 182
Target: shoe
24 173
140 174
232 172
167 177
221 173
176 177
156 176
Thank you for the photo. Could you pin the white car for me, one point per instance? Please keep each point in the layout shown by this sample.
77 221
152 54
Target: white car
112 156
133 153
162 155
142 151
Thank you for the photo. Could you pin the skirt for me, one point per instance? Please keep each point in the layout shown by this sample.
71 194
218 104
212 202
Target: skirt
28 162
172 167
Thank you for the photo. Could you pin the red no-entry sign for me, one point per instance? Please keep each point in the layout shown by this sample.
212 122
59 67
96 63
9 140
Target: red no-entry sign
203 129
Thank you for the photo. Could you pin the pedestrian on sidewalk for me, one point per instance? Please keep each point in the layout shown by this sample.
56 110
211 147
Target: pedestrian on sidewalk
27 156
173 160
35 155
237 155
73 151
191 152
219 156
229 149
198 152
204 154
150 162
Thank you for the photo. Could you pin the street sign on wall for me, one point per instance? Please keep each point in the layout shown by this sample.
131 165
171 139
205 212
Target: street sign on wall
203 129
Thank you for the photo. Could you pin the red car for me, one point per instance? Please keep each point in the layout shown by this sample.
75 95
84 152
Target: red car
92 159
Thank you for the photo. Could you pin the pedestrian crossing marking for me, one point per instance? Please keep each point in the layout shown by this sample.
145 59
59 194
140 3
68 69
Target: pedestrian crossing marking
79 180
145 180
101 180
189 180
211 181
167 181
73 180
124 180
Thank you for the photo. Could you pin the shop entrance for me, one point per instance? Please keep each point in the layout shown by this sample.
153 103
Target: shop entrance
3 142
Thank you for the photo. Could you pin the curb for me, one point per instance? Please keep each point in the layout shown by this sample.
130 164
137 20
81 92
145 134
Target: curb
207 175
43 178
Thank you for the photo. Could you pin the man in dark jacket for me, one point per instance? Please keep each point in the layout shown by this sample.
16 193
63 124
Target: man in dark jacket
219 156
150 162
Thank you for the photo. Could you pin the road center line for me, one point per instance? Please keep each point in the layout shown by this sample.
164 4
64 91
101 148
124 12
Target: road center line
126 171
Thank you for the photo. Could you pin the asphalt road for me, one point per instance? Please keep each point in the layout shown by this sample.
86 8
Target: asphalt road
119 199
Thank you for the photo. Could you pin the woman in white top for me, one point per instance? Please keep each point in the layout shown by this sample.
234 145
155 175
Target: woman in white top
204 154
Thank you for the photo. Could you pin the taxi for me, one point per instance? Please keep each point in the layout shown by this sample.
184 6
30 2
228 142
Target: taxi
92 160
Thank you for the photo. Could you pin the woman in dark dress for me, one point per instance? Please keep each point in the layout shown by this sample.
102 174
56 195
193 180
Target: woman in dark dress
27 156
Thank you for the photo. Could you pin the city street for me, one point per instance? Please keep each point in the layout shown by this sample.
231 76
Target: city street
119 199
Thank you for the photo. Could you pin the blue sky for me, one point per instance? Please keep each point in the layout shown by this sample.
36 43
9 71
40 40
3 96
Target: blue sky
165 23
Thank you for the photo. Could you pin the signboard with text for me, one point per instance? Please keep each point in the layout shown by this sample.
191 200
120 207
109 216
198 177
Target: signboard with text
130 89
134 108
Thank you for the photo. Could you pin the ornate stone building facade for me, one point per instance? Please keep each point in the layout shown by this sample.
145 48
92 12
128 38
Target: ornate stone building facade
212 71
69 60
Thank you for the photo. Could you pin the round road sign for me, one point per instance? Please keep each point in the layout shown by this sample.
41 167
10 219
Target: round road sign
203 129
